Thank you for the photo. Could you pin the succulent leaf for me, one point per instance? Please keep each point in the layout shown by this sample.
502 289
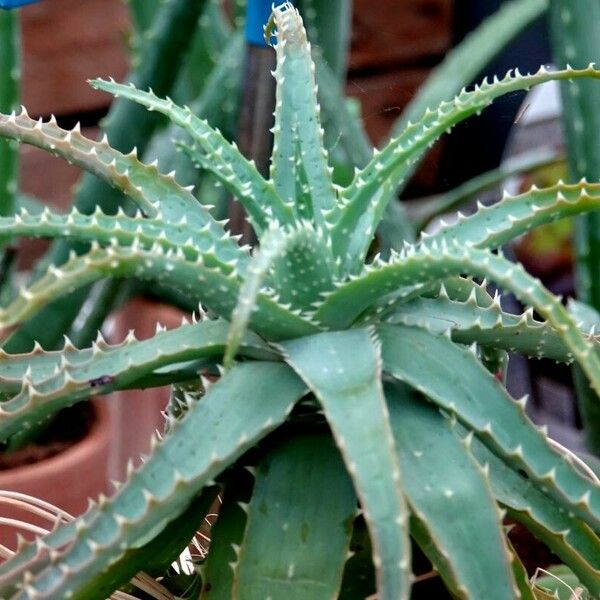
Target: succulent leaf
201 274
273 245
226 536
369 190
62 378
486 408
468 323
306 312
467 60
427 209
214 104
297 120
119 229
313 535
569 538
345 376
440 478
157 195
492 226
10 83
180 466
216 154
436 262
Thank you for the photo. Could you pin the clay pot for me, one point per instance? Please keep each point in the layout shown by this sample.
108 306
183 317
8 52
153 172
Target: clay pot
66 479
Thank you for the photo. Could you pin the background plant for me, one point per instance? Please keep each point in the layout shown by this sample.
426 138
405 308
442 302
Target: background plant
575 39
389 359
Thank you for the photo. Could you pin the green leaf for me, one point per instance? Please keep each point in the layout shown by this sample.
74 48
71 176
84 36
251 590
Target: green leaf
328 24
112 229
437 262
343 370
299 523
127 127
301 266
521 576
457 382
10 83
359 573
200 274
443 484
215 104
468 322
297 121
217 154
574 34
47 382
213 33
158 196
272 246
574 29
570 539
372 185
157 555
426 209
558 582
422 536
346 126
232 417
226 536
142 14
493 226
305 270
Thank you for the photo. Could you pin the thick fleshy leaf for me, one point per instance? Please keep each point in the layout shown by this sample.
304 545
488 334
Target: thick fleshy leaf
225 537
469 58
158 196
298 134
455 380
493 226
304 499
44 383
343 370
370 189
217 154
426 209
468 322
447 489
438 262
570 539
200 274
301 266
10 83
232 416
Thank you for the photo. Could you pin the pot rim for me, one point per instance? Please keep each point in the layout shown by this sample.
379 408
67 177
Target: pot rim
81 452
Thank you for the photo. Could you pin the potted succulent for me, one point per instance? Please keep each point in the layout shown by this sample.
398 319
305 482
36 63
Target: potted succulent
347 380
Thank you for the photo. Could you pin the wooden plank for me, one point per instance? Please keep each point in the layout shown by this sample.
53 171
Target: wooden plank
395 33
65 43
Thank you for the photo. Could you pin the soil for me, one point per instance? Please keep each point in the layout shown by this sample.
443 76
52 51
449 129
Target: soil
68 427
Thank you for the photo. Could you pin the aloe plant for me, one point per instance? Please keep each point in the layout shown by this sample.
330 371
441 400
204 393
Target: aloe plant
352 389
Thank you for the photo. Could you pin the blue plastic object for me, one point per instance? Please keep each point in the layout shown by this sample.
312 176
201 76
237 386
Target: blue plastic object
257 15
15 3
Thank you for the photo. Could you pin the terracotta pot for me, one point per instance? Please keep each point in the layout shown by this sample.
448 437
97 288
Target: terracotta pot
138 413
66 479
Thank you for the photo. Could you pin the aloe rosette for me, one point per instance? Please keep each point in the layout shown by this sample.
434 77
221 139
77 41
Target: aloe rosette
354 389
